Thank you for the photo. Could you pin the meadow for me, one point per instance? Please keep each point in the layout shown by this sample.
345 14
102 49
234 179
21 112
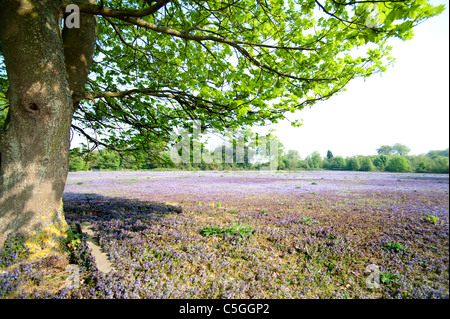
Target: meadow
236 234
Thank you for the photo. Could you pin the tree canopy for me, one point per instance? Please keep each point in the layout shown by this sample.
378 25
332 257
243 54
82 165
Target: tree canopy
227 64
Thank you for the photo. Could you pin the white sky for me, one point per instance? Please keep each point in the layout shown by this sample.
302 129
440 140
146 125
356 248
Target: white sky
408 104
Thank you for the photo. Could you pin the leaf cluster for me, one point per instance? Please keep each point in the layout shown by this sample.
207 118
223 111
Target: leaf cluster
235 230
394 246
161 65
13 251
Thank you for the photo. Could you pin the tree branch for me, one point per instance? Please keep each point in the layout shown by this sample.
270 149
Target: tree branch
134 17
126 43
343 20
114 13
235 44
367 1
99 94
90 138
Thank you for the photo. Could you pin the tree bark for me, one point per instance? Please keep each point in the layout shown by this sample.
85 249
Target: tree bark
35 142
79 44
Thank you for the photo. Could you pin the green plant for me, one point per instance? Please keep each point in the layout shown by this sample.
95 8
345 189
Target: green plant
128 181
210 231
332 237
398 164
387 278
74 236
232 211
394 246
331 265
338 162
236 229
432 219
353 164
13 251
307 220
239 229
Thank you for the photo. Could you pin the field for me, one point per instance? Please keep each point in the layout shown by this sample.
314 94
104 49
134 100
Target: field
204 234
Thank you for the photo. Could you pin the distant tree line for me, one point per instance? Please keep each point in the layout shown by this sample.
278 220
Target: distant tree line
393 158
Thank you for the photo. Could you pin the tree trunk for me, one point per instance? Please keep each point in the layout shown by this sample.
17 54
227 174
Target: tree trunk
35 141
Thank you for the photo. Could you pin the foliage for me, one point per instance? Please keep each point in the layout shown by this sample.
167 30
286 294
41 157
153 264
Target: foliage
292 160
329 155
421 163
432 219
440 164
163 66
387 278
77 163
338 162
314 160
429 163
367 164
398 164
13 251
436 153
74 237
353 164
235 230
307 220
395 149
210 231
381 162
400 149
394 246
385 150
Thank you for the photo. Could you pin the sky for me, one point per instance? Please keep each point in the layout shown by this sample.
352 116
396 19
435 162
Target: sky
407 104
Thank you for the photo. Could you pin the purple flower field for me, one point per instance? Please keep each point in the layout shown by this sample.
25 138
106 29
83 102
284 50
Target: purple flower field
203 234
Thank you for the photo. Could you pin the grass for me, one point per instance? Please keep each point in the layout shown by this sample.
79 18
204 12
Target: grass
387 278
394 246
235 230
128 181
306 220
432 219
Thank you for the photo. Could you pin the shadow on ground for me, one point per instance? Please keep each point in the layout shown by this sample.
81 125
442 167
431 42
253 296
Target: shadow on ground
79 207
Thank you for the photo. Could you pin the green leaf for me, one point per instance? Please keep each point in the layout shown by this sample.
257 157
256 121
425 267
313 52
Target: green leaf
218 82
